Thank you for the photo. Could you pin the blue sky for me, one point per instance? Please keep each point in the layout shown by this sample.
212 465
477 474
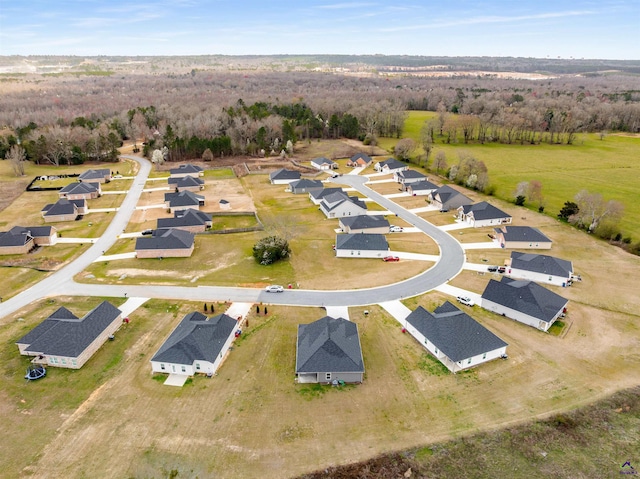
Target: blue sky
580 29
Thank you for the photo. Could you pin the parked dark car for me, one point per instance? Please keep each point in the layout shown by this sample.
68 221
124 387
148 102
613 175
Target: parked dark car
492 269
502 269
147 232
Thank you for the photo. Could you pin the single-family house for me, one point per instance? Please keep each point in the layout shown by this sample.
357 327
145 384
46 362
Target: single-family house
316 195
64 210
523 301
102 175
524 237
283 176
406 177
421 188
483 214
165 243
21 239
456 339
540 268
324 164
359 160
390 165
183 200
64 341
185 183
197 345
186 170
337 205
329 350
447 198
375 224
305 186
191 220
78 191
361 245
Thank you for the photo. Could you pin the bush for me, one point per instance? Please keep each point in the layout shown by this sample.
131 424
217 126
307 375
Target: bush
520 200
271 249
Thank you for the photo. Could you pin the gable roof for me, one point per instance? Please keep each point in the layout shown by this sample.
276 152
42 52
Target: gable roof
522 233
183 198
188 217
166 239
540 263
364 221
63 207
186 168
196 338
448 195
63 334
333 200
392 164
16 236
410 174
484 211
322 161
361 156
329 345
95 174
362 241
453 332
526 297
77 188
318 195
423 185
284 174
305 183
185 181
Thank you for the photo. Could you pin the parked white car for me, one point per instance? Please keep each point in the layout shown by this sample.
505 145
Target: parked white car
395 229
465 300
274 288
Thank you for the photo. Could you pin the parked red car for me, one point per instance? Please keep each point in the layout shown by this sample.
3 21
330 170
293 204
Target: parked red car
390 258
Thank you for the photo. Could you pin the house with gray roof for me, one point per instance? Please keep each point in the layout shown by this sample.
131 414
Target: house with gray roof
483 214
361 245
186 170
456 339
197 345
66 341
421 188
359 160
64 210
324 164
165 243
188 220
21 239
84 190
102 175
447 198
305 186
283 176
376 224
185 183
317 195
183 200
540 268
522 237
406 177
329 350
523 301
390 165
339 204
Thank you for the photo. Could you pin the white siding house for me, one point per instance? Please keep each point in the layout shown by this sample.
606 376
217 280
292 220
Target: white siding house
361 245
540 268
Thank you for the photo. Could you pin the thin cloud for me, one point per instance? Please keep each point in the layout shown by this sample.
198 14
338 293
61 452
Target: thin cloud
343 6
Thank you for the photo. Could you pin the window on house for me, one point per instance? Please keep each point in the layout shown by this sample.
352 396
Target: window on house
74 362
162 366
436 350
328 376
183 369
198 366
484 356
469 361
64 361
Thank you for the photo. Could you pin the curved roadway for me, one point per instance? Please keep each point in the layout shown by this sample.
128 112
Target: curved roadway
451 261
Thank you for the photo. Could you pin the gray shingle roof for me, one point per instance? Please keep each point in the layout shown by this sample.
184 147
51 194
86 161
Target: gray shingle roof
329 345
184 198
333 200
166 239
284 174
526 297
450 197
62 334
16 236
305 183
410 174
196 338
95 174
187 168
423 185
540 263
366 158
322 161
318 195
453 332
484 211
362 241
63 207
392 164
185 181
522 233
83 188
365 221
188 217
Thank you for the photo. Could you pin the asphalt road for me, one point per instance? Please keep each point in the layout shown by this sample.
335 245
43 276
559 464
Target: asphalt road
451 261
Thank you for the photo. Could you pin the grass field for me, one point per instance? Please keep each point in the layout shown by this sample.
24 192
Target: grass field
563 170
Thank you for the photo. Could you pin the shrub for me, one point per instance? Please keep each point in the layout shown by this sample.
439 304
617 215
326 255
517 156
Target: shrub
520 200
271 249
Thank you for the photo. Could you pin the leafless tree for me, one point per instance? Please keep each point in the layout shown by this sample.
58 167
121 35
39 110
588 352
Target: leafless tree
594 210
405 148
17 157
